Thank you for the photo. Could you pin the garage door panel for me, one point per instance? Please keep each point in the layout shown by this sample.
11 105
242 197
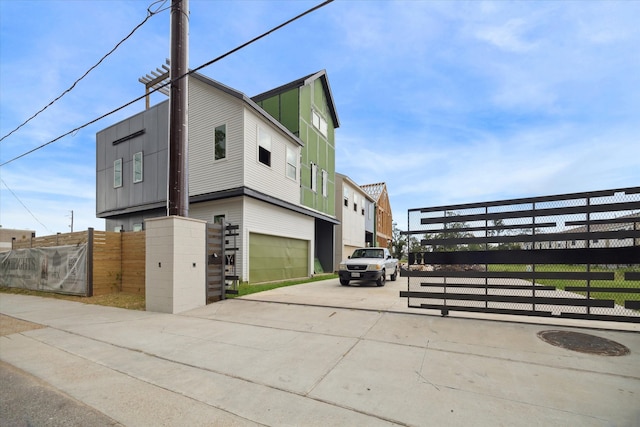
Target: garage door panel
277 258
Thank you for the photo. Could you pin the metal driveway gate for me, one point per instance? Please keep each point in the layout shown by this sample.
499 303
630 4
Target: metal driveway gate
572 256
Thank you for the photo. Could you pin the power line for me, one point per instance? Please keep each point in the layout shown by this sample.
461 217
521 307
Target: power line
25 206
149 15
206 64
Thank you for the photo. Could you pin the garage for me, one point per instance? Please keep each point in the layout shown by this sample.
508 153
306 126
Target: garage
274 258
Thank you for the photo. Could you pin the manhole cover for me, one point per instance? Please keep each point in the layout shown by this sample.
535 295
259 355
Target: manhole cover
583 343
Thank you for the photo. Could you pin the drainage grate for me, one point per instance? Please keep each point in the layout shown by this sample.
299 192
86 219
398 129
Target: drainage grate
583 343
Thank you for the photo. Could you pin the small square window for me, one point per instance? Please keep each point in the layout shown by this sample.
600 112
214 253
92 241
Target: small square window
264 147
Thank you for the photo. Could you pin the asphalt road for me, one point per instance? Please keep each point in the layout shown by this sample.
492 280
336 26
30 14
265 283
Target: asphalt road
26 401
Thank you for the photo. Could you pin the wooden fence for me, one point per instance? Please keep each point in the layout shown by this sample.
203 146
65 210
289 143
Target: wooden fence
116 261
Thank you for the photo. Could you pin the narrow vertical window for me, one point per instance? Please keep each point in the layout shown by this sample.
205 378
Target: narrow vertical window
117 173
264 147
137 167
314 177
325 179
292 163
319 122
220 137
345 192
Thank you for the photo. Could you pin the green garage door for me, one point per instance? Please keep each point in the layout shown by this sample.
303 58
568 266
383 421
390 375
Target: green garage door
277 258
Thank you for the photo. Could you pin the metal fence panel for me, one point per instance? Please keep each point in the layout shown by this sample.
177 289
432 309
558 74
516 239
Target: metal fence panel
573 255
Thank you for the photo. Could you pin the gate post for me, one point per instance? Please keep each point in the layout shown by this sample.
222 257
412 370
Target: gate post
175 264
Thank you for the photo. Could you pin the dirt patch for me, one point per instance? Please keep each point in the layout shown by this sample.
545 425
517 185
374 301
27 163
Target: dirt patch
10 325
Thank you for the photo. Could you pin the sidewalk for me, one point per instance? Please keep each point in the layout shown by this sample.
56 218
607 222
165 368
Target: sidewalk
350 356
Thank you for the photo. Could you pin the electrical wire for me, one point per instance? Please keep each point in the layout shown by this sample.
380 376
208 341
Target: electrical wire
25 206
149 15
206 64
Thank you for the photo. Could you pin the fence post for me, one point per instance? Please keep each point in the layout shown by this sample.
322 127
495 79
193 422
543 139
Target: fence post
90 262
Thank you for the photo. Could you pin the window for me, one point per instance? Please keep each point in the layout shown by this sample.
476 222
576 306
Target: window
319 122
355 206
292 163
220 138
219 219
137 167
264 147
314 177
137 227
325 179
346 197
117 173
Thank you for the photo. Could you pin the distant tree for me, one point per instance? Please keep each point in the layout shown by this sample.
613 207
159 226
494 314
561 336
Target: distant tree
398 243
452 230
415 245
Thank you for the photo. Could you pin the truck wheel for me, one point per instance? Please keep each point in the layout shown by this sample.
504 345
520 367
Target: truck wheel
344 282
394 276
382 279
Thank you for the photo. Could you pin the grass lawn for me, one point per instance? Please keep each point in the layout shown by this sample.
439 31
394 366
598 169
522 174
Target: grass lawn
617 282
246 288
137 302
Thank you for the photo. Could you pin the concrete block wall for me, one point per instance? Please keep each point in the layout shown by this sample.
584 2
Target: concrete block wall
175 264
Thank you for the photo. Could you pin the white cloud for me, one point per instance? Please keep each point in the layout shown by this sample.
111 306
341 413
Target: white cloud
509 36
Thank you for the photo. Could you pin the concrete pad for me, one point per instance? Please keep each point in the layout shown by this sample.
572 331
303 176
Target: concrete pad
125 399
218 399
283 362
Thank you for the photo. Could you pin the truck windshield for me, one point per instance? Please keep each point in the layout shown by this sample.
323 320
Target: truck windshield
368 253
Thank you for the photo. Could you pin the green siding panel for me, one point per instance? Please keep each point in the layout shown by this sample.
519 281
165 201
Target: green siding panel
277 258
290 111
305 103
272 106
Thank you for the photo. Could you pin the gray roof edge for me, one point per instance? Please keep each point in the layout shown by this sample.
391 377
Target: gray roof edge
322 74
352 182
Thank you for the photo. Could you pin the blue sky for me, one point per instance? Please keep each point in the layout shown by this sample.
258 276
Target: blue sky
446 102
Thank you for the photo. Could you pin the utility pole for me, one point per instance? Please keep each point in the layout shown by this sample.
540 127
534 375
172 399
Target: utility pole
71 221
178 115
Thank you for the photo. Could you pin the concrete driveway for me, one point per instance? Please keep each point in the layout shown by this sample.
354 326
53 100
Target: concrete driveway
319 354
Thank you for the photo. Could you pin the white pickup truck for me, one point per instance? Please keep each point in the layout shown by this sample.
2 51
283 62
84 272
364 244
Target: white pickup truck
368 264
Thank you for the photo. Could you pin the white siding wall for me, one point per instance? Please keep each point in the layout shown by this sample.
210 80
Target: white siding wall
269 180
353 221
209 108
232 210
254 216
264 218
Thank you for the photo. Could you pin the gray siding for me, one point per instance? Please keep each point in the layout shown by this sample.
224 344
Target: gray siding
153 144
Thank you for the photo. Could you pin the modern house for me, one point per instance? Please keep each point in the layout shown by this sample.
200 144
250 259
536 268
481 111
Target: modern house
355 210
265 164
383 216
306 108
